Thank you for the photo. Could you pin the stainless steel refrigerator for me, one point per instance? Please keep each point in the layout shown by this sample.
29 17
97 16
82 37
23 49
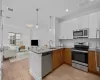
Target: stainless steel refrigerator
98 59
98 46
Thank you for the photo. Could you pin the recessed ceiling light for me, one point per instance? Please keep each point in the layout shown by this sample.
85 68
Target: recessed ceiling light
66 10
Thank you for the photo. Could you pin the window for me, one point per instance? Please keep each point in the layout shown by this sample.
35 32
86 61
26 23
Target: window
14 38
18 37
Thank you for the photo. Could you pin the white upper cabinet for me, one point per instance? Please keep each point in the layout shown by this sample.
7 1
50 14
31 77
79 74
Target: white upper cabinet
75 24
91 21
93 24
66 29
83 22
63 31
70 29
98 19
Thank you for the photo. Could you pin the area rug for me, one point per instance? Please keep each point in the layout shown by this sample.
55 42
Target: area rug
20 56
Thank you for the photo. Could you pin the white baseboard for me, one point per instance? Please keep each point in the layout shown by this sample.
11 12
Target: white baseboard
35 76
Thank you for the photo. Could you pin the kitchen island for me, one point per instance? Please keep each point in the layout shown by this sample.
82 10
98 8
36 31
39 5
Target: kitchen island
41 62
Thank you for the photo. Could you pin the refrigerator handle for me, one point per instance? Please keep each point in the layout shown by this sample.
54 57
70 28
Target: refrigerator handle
97 47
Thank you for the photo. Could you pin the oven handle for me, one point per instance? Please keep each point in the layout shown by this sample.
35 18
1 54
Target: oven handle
80 51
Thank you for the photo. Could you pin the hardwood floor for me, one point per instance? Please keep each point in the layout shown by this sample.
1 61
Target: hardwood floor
16 71
66 72
19 71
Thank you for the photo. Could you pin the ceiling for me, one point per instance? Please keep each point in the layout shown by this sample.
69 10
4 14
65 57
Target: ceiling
84 9
25 11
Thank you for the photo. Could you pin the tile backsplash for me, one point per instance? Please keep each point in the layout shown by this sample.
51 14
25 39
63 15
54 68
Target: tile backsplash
70 43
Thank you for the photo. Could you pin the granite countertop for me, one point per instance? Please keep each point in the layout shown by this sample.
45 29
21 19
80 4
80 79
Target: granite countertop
68 47
43 50
94 49
40 51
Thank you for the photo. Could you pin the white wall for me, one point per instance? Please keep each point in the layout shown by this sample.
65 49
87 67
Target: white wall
57 31
25 13
44 35
0 5
0 30
70 43
0 19
24 32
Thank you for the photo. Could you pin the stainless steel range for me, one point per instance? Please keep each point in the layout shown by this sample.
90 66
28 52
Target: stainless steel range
80 56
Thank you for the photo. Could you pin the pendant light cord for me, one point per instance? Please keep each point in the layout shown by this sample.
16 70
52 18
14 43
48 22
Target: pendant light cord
37 15
50 22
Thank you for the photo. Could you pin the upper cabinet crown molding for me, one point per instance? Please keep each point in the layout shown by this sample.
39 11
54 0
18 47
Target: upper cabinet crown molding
93 7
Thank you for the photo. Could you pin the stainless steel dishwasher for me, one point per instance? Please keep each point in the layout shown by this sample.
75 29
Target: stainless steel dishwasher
46 63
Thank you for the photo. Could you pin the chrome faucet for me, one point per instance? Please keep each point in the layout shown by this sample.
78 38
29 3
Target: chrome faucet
50 43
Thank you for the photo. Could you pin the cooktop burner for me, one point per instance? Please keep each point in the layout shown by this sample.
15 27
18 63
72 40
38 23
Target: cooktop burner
81 47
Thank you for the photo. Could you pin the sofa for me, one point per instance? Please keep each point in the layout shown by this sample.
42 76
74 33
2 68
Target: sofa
9 52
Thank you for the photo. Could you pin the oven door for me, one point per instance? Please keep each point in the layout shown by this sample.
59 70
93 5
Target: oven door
80 56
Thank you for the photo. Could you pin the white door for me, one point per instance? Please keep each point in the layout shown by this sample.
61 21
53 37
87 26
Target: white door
93 25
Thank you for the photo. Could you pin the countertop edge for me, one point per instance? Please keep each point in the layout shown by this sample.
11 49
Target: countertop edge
90 49
46 51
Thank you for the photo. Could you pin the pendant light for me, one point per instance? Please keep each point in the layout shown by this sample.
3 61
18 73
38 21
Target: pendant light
37 26
50 24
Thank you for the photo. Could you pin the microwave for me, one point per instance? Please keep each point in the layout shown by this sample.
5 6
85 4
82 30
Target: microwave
82 33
